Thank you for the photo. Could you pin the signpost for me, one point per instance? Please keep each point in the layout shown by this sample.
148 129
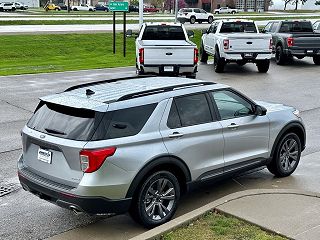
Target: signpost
119 7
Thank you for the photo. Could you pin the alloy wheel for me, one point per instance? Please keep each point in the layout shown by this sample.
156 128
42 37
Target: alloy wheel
289 155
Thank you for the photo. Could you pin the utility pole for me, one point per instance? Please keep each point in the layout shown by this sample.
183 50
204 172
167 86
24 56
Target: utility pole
176 11
140 13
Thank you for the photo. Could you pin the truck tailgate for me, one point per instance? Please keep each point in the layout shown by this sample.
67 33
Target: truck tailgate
162 53
306 41
249 42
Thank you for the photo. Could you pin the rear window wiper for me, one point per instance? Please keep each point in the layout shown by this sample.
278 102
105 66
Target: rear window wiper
54 131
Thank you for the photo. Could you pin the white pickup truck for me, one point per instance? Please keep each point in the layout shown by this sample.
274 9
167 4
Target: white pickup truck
236 41
165 49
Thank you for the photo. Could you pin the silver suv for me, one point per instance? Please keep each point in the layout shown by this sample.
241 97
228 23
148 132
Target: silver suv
137 144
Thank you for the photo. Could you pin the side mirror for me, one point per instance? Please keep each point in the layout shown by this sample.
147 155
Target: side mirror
260 111
129 33
204 31
190 34
263 31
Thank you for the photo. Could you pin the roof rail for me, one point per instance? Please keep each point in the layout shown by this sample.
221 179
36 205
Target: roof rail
105 81
161 90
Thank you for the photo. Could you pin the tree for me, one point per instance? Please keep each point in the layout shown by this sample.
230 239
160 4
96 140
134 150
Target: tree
286 2
134 2
317 3
296 2
169 4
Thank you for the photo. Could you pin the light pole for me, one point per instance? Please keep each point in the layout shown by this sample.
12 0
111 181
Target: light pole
140 13
176 11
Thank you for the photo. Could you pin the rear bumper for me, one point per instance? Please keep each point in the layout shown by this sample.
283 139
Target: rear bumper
65 199
303 52
236 56
177 69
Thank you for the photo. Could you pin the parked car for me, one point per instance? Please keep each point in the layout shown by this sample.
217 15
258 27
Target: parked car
224 10
151 9
236 41
316 26
193 15
101 7
63 6
51 6
133 8
294 38
166 49
138 144
7 6
83 7
20 6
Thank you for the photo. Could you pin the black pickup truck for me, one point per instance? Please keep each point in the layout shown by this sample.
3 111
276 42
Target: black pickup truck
294 38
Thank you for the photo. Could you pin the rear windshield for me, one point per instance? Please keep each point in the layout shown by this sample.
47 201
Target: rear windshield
85 125
235 27
65 122
163 32
296 27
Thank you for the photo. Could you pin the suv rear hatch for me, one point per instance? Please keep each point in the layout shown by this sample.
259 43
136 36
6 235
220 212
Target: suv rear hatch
53 139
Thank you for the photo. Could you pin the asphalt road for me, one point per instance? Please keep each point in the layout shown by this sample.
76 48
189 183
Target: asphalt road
24 216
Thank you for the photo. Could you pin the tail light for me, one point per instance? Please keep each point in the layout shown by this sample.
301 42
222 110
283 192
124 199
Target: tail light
196 57
290 41
270 44
226 44
141 55
92 160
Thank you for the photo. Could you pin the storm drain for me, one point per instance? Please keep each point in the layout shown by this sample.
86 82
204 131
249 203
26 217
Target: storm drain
4 190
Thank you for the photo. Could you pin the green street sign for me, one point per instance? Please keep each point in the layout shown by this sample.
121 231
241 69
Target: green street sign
119 6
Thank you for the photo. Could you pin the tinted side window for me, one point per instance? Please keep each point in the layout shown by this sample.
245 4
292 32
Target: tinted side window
173 118
196 10
193 109
123 122
231 105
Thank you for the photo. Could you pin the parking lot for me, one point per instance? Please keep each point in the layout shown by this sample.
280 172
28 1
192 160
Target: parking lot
26 217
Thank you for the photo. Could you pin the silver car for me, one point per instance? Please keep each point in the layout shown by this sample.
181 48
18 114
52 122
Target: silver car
138 144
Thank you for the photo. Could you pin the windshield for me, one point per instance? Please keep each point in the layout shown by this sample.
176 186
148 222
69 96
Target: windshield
163 32
236 27
296 27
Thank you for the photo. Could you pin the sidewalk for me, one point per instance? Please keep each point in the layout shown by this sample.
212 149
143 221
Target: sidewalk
291 213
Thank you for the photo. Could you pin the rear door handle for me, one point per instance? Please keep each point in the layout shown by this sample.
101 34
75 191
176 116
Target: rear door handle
176 135
233 126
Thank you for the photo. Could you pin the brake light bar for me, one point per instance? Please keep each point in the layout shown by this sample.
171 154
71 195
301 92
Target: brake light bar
226 44
290 41
92 160
141 55
196 57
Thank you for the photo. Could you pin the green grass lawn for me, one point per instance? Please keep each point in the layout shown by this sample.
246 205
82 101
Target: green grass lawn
62 52
218 227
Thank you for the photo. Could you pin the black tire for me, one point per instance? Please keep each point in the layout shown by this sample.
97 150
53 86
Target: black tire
277 166
75 9
203 54
193 20
316 60
233 12
263 65
210 19
218 63
300 57
139 206
280 56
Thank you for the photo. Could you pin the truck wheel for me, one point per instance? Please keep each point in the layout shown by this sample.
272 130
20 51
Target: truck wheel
263 66
233 12
280 56
316 60
203 54
286 156
156 200
210 19
192 20
218 63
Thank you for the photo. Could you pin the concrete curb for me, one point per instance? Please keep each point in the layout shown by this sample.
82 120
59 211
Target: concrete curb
185 219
